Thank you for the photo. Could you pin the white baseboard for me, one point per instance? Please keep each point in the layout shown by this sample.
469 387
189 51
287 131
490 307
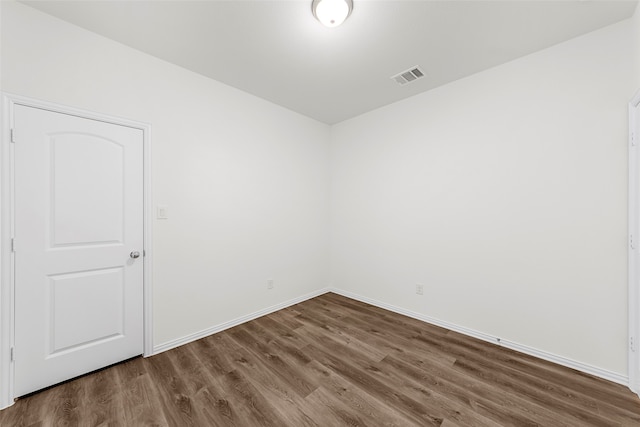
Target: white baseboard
560 360
235 322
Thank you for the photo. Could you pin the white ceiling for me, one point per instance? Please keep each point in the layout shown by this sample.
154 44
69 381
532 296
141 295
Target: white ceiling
277 50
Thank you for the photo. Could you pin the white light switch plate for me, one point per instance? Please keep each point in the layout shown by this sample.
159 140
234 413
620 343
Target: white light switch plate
162 212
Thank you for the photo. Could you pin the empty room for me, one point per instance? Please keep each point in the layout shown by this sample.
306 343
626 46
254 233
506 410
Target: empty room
320 213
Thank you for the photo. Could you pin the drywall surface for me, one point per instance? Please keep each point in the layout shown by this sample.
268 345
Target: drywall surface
504 195
245 181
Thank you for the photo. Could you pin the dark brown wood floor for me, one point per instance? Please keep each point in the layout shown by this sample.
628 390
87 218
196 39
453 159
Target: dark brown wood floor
332 361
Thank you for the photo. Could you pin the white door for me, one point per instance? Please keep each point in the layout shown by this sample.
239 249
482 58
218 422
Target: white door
78 229
634 249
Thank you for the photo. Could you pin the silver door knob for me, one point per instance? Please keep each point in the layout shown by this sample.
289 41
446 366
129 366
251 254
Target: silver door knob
134 254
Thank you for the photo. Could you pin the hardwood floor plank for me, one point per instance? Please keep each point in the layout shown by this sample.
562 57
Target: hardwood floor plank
279 330
28 411
457 345
332 361
439 404
493 362
330 358
340 340
582 411
492 402
385 317
100 404
216 402
139 395
335 412
285 318
291 374
65 404
216 353
175 393
289 405
252 406
332 411
383 336
355 399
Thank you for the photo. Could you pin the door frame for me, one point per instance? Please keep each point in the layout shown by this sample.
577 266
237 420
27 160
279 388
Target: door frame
634 244
7 275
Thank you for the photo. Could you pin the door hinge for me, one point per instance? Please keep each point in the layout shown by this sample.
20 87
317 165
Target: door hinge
13 135
631 242
631 346
12 355
633 139
13 244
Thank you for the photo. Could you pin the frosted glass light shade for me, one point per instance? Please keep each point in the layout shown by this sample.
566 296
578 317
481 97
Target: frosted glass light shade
331 13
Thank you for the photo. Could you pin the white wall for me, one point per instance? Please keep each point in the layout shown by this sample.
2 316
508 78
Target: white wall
504 194
245 181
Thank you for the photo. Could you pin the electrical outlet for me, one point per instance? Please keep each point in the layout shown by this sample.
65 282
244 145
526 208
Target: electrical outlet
270 284
419 289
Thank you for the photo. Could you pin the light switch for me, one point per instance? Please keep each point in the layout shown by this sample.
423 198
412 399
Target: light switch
162 212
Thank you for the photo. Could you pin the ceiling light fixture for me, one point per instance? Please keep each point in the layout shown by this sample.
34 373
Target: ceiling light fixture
331 13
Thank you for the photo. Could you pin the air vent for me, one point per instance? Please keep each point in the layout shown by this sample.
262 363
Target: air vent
408 76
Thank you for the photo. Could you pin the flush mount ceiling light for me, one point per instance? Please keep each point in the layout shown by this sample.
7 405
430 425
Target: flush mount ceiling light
331 13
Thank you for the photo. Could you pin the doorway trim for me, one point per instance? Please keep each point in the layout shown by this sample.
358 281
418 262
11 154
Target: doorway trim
7 276
634 244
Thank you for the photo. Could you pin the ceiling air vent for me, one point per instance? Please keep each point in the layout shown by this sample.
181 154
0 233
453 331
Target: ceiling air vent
408 76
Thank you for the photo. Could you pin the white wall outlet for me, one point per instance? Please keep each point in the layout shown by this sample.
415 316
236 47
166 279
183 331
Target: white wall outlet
419 289
270 284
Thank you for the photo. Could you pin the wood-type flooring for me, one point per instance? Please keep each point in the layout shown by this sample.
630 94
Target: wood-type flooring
332 361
